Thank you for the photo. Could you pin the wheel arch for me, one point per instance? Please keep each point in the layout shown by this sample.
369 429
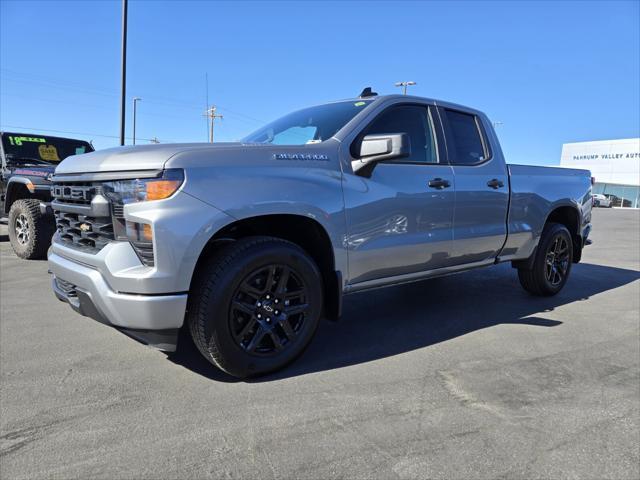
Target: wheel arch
569 216
17 189
305 232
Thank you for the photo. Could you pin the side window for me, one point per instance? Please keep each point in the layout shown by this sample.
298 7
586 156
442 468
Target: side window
416 122
466 138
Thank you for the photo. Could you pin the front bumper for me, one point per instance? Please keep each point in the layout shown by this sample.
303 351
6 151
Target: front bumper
152 319
115 288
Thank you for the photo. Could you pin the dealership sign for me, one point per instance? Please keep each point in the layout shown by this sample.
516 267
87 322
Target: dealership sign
609 161
606 156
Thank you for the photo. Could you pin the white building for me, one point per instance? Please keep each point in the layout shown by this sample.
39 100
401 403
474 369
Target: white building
615 165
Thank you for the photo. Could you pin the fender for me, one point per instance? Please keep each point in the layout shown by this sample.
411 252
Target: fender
12 184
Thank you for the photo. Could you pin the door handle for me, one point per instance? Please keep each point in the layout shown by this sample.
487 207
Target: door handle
495 183
439 183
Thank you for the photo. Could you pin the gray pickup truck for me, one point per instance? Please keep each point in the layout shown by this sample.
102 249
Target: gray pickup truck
249 244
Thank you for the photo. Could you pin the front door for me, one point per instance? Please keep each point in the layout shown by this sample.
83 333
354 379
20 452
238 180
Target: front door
400 215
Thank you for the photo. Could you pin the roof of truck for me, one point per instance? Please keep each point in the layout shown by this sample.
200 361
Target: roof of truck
407 98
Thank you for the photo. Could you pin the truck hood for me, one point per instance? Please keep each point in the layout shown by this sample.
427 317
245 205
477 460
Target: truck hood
143 157
184 155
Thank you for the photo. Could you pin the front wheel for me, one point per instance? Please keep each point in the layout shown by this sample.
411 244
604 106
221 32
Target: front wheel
256 305
552 263
30 231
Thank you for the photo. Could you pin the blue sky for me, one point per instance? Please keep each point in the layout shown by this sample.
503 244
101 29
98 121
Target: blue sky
551 72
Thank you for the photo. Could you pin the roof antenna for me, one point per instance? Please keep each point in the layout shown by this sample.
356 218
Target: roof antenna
367 93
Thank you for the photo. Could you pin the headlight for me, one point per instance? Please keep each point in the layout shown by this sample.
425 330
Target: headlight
144 189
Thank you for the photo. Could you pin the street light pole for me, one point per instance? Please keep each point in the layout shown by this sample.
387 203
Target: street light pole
404 86
124 70
135 101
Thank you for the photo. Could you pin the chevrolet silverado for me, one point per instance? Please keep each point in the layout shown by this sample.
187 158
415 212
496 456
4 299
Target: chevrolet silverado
249 244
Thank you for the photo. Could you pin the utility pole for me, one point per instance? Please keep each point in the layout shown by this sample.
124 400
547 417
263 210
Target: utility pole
135 101
404 86
211 113
124 70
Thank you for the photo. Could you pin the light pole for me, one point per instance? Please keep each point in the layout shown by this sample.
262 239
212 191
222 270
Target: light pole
124 69
135 101
404 86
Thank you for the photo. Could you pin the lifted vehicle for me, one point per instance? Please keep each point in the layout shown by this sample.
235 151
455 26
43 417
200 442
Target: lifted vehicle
250 243
28 161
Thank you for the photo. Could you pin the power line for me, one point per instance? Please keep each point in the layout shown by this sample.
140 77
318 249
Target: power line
159 100
87 107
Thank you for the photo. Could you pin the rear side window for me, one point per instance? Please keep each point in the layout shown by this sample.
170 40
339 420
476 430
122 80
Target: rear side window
466 138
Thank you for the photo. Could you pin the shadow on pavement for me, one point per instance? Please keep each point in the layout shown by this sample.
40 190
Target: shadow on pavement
387 322
4 238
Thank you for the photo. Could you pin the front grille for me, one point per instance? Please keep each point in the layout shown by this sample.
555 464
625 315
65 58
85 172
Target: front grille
86 220
118 211
78 223
80 193
84 231
69 289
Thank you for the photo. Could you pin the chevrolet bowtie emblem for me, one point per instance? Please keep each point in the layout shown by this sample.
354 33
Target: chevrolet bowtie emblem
85 227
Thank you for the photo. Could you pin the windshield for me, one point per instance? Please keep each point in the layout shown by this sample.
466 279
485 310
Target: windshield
30 149
311 125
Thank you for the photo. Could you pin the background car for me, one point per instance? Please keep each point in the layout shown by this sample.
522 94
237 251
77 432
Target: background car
600 200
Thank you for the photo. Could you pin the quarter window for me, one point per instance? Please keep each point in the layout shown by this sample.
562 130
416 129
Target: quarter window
416 122
468 148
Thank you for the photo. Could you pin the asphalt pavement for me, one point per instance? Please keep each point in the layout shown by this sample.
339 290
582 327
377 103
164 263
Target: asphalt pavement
463 377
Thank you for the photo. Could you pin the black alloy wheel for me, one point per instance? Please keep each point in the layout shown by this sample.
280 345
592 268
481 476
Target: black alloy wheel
255 305
551 264
268 310
557 260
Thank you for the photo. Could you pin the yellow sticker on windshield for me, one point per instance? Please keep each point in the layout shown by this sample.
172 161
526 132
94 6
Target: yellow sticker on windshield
359 104
49 153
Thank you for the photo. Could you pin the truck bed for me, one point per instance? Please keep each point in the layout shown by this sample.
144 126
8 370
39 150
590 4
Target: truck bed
535 191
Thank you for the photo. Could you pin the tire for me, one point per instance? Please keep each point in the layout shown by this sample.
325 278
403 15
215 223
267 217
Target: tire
30 231
244 281
546 279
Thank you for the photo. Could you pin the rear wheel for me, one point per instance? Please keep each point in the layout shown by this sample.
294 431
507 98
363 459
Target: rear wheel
30 231
256 305
552 263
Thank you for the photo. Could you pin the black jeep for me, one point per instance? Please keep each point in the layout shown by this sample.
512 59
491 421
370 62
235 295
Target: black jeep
28 162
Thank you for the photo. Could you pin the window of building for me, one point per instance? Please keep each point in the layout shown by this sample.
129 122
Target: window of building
620 195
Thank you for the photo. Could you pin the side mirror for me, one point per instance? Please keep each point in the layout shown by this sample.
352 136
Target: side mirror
375 148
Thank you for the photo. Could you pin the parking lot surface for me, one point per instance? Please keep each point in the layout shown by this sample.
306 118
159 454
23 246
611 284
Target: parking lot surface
465 376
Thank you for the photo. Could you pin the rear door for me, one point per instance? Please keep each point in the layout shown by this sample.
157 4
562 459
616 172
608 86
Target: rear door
400 215
482 188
